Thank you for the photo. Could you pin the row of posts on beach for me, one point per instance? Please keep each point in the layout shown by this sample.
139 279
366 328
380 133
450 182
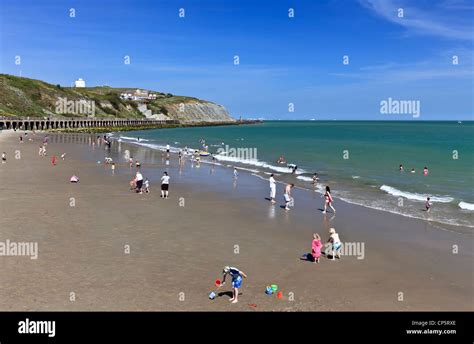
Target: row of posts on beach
46 124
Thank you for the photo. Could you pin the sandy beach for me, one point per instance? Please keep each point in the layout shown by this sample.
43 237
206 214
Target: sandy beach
179 246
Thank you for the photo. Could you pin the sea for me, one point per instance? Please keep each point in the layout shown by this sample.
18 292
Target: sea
359 160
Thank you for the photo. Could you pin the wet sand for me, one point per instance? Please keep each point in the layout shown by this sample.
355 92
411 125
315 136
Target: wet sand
176 252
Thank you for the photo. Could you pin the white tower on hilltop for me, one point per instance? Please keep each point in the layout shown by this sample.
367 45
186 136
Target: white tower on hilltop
79 83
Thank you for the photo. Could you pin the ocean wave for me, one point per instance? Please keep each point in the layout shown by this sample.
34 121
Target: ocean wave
258 163
133 138
306 179
466 206
415 196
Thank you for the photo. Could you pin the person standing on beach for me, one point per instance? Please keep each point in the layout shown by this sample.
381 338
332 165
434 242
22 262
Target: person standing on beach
236 173
316 247
139 182
401 168
272 189
425 171
335 244
288 198
428 205
328 200
236 275
165 183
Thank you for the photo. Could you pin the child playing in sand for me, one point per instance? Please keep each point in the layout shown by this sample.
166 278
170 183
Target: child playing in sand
335 244
236 275
428 204
146 185
316 248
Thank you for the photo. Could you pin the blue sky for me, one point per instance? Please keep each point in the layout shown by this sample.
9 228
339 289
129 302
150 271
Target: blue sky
282 60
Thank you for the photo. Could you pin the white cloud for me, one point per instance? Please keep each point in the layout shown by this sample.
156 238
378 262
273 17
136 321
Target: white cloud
447 19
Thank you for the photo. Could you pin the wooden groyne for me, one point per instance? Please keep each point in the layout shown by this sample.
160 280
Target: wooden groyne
46 124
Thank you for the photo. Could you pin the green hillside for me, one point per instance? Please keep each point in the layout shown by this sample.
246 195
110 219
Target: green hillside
24 97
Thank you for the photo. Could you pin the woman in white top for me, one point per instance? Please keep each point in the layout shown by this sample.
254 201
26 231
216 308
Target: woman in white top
272 188
139 182
165 183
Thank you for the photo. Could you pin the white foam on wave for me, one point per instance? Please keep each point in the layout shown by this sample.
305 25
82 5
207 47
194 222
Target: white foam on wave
306 179
355 177
256 162
415 196
466 206
133 139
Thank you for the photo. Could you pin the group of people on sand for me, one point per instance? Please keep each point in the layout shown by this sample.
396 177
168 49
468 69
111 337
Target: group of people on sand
142 185
331 249
289 200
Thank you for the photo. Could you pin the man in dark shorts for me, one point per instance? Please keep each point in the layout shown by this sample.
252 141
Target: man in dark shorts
165 183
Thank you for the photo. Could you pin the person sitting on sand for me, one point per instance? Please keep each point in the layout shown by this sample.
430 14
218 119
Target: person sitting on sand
428 205
74 179
287 195
335 244
316 247
236 275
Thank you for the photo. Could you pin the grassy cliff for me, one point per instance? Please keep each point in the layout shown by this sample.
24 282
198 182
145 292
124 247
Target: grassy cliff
24 97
